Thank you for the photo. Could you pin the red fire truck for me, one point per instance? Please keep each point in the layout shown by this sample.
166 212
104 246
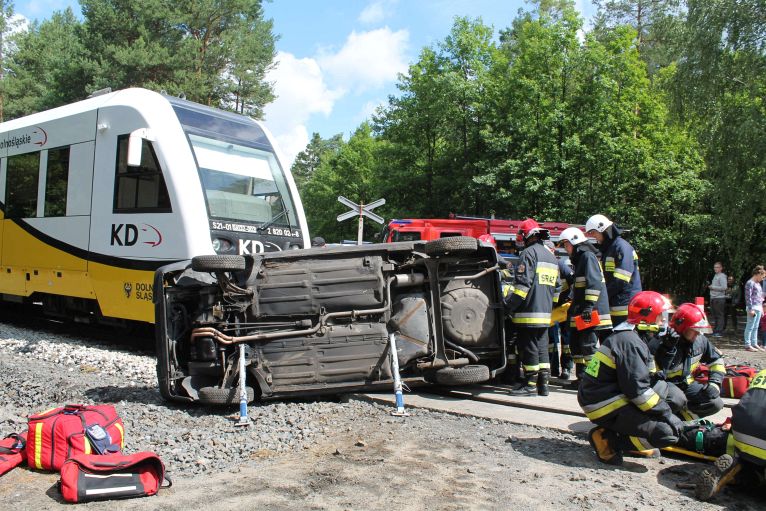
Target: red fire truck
504 231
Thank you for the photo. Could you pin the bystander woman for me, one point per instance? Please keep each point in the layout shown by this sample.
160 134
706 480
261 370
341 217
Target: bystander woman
754 309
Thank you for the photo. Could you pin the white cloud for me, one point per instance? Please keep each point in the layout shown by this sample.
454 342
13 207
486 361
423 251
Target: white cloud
373 13
301 92
311 86
369 108
367 60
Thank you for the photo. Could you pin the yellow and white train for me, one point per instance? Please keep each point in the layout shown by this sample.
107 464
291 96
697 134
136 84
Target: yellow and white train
100 193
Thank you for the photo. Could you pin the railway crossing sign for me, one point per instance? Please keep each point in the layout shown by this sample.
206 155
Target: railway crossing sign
361 210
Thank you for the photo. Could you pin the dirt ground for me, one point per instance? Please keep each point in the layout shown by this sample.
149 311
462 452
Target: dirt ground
427 461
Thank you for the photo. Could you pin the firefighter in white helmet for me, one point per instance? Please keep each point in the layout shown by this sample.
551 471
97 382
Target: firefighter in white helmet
620 264
588 295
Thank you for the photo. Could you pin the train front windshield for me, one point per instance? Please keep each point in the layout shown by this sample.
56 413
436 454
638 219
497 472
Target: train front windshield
242 183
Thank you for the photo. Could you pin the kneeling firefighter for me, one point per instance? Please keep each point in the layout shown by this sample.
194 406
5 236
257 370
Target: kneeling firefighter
747 466
681 350
632 416
536 280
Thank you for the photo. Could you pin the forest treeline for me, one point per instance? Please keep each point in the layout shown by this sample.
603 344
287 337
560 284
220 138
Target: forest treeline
653 114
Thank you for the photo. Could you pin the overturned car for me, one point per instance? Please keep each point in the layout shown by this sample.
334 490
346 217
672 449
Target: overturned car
323 320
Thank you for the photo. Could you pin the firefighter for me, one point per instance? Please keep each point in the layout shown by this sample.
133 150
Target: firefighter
631 416
588 295
619 262
748 464
681 350
560 308
531 303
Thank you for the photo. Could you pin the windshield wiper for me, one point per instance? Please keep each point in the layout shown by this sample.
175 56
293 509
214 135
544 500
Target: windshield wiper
273 221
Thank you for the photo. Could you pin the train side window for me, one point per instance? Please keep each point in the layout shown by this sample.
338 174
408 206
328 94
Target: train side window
450 234
57 177
139 189
22 176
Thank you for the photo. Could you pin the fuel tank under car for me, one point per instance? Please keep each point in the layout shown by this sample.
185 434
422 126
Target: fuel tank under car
323 320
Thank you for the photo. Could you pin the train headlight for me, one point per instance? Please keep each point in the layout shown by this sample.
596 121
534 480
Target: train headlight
221 245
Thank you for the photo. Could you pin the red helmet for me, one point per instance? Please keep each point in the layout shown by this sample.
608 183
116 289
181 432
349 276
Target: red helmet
487 240
645 307
530 227
689 316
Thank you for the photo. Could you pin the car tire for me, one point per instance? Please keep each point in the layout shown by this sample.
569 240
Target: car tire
219 396
464 375
212 263
454 245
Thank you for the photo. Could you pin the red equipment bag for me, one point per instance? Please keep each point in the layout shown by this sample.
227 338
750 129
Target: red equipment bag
57 434
87 477
735 382
12 452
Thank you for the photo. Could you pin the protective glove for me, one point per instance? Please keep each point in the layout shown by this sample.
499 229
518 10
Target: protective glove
712 390
586 313
660 375
676 424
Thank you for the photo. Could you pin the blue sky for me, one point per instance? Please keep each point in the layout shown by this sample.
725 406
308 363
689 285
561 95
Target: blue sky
339 59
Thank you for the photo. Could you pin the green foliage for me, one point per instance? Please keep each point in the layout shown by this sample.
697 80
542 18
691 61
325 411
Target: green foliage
216 52
717 92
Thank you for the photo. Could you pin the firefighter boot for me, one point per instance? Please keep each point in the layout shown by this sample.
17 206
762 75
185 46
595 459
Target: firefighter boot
575 384
542 383
604 442
524 387
712 481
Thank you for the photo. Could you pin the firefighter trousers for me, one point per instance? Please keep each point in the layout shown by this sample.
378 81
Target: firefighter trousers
637 430
533 348
700 401
583 344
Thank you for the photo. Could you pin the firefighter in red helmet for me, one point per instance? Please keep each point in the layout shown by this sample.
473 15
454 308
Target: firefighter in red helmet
631 415
536 280
681 350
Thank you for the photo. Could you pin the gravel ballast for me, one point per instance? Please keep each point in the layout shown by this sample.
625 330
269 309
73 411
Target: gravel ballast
323 454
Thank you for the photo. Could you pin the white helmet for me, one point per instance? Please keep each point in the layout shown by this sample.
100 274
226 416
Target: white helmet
573 235
597 223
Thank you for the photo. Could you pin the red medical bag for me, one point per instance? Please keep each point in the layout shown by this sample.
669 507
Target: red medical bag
60 433
735 382
12 452
87 477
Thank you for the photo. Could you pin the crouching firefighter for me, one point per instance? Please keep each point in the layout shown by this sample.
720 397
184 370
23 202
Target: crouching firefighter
588 295
535 282
747 465
616 393
679 353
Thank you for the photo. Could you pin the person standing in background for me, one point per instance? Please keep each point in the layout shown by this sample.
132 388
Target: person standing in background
753 309
718 299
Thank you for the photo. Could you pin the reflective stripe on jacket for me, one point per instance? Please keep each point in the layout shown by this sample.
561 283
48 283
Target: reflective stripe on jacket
535 284
747 422
623 280
589 288
679 362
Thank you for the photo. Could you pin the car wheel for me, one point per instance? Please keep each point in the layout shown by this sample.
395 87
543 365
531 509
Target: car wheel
212 263
454 245
219 396
462 375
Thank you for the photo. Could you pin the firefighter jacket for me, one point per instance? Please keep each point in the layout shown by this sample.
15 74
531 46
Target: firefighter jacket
618 375
747 422
678 359
589 288
620 263
536 281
